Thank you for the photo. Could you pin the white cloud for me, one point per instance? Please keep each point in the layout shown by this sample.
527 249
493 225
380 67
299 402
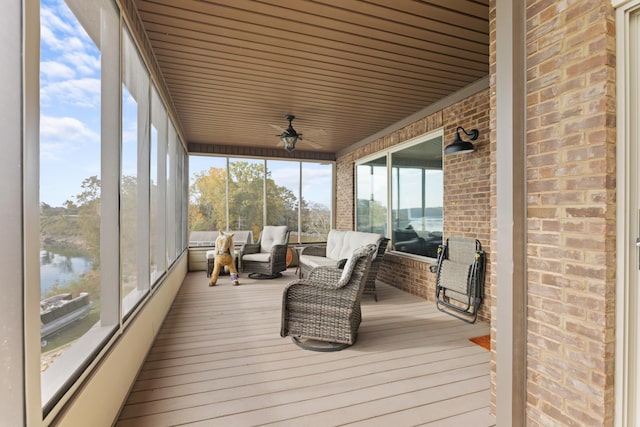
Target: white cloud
316 184
56 70
316 175
285 175
70 64
81 92
66 129
50 25
66 41
48 38
59 136
84 63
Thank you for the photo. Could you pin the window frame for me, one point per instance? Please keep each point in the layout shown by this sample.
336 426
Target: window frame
299 194
388 155
45 400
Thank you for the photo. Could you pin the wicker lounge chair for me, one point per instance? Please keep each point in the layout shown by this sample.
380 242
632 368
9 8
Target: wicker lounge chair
266 258
322 312
460 278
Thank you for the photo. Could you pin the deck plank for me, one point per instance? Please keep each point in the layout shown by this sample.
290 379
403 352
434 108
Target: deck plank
219 360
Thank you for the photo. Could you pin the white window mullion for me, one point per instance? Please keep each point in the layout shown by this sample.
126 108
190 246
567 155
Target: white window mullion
110 171
144 137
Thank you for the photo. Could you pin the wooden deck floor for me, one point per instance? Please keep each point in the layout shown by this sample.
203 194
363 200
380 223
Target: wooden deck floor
219 361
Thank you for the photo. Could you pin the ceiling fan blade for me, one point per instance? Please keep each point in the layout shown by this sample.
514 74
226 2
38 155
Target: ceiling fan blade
314 133
278 128
311 143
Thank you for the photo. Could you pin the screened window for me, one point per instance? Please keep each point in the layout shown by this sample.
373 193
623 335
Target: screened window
371 188
157 187
243 194
316 193
77 59
405 197
283 186
134 207
246 195
112 170
170 208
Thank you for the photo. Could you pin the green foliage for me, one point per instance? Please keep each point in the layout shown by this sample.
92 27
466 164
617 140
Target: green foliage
372 216
129 227
246 196
58 221
76 224
208 211
73 230
58 225
88 203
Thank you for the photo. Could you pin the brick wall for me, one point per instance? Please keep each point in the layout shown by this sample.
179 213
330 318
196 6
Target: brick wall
409 274
467 181
345 190
467 192
570 146
571 212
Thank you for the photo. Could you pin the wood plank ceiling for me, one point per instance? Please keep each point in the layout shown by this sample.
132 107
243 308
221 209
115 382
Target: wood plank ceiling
346 69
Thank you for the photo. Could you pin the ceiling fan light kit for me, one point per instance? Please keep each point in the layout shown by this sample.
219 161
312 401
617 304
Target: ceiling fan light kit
289 137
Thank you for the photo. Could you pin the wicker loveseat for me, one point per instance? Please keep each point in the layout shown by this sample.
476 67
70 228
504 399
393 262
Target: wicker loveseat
340 245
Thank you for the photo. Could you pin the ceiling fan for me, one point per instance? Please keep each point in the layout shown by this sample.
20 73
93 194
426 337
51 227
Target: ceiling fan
290 136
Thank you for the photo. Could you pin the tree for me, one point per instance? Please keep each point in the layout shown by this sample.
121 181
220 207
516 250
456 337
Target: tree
74 231
207 195
246 196
208 211
88 205
129 228
372 216
316 219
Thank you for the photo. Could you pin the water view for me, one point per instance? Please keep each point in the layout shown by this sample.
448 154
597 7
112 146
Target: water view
57 270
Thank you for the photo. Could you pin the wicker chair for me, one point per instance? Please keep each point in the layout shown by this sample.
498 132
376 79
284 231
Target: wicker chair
266 258
370 285
322 312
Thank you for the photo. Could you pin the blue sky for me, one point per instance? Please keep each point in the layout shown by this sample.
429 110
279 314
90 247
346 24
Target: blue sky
69 104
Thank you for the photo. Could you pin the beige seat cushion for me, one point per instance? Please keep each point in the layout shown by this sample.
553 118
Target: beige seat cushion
314 261
272 235
259 257
341 244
